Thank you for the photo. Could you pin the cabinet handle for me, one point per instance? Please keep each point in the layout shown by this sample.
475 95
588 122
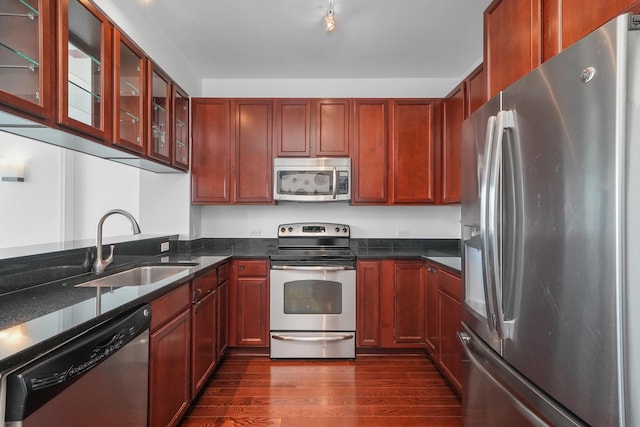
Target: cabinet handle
241 267
196 295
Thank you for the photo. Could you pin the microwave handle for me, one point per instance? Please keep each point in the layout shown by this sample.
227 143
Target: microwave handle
335 183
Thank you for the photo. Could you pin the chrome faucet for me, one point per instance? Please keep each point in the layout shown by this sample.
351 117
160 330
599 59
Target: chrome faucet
100 264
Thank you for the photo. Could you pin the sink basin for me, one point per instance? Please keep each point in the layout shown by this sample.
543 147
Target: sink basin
140 276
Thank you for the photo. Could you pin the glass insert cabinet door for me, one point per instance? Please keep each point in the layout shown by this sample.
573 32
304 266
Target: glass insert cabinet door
160 89
26 56
85 61
181 129
129 94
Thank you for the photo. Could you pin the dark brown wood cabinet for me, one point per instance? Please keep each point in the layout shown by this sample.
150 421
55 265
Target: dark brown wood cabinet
180 128
369 152
567 21
292 128
412 151
431 315
409 303
160 113
232 157
249 304
450 317
252 143
204 334
223 309
85 69
368 291
170 357
476 95
512 41
28 55
129 95
453 114
312 127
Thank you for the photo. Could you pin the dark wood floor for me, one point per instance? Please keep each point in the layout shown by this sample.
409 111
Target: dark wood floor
370 391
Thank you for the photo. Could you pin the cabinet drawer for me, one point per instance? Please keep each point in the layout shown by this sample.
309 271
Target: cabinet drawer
450 284
253 268
206 284
223 273
167 306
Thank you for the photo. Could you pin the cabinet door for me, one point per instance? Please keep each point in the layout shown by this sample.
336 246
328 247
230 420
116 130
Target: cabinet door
368 303
567 21
412 153
409 303
252 301
159 128
431 315
450 350
180 136
211 167
452 118
85 69
26 56
204 346
369 148
476 90
512 41
129 94
254 169
223 318
293 127
332 127
170 371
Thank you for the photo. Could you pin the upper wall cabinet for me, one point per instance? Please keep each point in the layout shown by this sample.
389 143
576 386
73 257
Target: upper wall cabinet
412 152
476 95
159 108
567 21
512 45
85 67
453 114
129 94
180 134
26 56
311 127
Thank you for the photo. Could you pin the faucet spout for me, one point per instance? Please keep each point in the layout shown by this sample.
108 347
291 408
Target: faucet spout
100 264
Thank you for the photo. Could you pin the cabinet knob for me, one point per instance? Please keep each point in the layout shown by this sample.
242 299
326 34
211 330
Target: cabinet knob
241 267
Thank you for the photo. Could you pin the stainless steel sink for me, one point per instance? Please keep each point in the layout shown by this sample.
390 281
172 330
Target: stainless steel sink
140 276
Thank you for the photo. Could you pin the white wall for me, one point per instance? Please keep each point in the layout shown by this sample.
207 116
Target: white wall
365 221
31 211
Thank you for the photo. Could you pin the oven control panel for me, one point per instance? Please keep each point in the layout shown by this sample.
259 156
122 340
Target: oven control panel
314 229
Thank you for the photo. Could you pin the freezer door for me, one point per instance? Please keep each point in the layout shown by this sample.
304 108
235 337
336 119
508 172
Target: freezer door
561 257
477 132
496 395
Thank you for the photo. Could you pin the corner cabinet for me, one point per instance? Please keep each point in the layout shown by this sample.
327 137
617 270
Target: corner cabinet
232 157
27 56
85 66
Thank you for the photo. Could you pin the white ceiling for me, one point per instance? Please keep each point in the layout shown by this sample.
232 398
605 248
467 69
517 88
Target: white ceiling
262 39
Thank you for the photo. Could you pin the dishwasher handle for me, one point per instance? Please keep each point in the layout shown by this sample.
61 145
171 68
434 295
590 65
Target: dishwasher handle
38 382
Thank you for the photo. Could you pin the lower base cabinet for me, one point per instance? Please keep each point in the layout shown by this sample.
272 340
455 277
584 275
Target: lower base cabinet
170 358
249 304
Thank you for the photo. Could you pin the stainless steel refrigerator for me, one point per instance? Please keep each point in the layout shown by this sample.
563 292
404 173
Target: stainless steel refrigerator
551 241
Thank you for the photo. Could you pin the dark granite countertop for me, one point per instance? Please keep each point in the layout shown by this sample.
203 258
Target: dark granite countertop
36 318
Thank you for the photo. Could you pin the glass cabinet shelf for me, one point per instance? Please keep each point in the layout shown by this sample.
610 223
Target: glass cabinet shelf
129 117
159 107
32 64
135 91
83 90
31 14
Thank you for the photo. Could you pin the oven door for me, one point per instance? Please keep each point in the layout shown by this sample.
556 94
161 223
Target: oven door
315 298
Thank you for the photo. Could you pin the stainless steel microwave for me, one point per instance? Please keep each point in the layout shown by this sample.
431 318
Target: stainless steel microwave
311 179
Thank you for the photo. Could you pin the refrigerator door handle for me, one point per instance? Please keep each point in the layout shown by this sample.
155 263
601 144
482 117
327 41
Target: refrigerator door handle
492 223
488 269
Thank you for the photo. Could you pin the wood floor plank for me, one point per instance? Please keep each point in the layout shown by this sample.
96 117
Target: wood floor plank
369 391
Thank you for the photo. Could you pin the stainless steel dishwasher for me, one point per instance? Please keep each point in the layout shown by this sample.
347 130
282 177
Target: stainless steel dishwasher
99 378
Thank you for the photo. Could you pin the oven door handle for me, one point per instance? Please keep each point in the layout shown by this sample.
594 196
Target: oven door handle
312 267
332 338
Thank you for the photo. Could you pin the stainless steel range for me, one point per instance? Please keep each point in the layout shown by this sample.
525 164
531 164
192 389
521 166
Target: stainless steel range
313 292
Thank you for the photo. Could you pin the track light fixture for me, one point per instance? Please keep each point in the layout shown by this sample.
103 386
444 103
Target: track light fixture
330 20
